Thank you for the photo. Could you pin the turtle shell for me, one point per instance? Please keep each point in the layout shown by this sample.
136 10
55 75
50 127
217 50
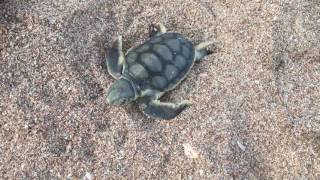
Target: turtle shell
161 62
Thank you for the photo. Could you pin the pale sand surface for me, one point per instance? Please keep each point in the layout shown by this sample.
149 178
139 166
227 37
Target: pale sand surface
256 100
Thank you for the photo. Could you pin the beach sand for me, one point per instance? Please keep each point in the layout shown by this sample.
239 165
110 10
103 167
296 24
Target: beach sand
256 100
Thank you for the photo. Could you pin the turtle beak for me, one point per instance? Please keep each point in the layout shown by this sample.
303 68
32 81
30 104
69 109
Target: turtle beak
120 93
112 97
114 101
109 100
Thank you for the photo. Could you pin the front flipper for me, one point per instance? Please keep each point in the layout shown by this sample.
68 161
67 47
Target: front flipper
161 110
115 59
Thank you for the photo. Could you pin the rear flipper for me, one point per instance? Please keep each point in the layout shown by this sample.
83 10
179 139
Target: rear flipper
202 50
161 110
157 29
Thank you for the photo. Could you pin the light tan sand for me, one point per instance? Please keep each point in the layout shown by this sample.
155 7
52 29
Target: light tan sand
256 100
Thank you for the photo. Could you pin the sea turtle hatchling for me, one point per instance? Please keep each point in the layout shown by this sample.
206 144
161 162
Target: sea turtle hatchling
149 70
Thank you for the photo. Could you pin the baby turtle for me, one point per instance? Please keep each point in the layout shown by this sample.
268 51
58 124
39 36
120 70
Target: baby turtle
149 70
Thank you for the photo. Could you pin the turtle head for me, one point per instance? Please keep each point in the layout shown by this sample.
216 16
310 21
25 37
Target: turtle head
120 93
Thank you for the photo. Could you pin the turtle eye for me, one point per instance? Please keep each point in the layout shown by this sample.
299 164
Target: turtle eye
122 101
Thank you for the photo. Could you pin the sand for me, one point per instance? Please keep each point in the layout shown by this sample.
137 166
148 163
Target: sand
256 100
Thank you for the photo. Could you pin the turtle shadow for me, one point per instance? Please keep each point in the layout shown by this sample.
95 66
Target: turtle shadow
141 121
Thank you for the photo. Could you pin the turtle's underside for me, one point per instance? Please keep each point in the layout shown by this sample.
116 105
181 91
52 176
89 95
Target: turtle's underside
150 69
